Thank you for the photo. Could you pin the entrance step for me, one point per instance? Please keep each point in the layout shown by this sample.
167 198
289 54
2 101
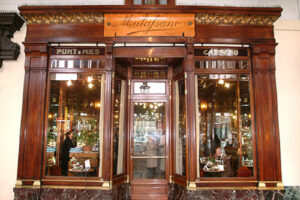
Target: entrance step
153 191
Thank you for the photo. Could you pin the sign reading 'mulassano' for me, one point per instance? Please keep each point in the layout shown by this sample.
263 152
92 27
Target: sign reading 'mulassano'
149 25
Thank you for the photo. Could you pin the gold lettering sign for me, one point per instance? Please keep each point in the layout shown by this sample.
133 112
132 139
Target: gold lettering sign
149 25
77 51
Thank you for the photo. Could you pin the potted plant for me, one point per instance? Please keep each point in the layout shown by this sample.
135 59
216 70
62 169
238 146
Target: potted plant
89 138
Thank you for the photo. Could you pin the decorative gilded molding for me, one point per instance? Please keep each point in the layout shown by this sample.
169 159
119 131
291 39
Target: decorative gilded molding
64 18
235 19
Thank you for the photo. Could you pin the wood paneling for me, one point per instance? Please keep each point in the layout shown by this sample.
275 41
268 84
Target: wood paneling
265 100
32 126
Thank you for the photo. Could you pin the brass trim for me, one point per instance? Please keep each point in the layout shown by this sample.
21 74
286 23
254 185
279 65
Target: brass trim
191 185
18 183
64 18
236 19
233 181
127 179
65 180
280 185
261 185
171 180
107 185
270 181
37 183
223 188
75 187
140 157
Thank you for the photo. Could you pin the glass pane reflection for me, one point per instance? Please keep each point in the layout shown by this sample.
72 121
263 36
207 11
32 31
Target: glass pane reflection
73 124
149 140
224 126
150 168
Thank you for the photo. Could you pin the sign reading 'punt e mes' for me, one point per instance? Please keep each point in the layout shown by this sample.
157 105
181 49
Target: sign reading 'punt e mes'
153 24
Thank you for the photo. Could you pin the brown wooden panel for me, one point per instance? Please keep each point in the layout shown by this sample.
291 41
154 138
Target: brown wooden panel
266 112
162 52
153 189
64 32
233 33
32 127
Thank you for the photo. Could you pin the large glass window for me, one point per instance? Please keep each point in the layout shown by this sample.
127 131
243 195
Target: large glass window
75 124
223 125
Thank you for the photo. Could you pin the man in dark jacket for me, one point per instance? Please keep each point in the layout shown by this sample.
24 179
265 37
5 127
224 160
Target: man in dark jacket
65 153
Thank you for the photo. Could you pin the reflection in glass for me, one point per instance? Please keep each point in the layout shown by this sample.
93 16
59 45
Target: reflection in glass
149 140
180 118
73 125
223 126
118 126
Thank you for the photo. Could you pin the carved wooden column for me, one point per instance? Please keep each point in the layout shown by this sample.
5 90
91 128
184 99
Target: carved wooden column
33 115
189 68
266 111
107 145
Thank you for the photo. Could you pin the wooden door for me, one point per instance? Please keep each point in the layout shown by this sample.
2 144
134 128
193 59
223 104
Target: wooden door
149 152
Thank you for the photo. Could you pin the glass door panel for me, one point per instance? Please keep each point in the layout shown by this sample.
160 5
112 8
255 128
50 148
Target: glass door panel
149 140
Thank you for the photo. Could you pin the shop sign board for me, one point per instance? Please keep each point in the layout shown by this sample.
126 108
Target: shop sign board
149 24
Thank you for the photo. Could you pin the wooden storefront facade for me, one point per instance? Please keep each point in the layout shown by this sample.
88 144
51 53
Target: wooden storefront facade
129 41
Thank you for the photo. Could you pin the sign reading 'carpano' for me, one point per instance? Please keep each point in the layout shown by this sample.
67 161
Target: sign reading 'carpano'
151 24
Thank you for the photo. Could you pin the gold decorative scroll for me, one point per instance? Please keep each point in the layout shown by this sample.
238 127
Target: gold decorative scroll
64 18
149 24
235 19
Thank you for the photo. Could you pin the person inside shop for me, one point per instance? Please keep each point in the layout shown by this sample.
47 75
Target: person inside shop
151 150
65 153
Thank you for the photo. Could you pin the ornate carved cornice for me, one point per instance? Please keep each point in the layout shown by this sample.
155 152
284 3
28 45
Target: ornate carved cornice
64 18
9 24
236 19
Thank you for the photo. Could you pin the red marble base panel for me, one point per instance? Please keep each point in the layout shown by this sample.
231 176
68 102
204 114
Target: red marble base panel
180 193
119 192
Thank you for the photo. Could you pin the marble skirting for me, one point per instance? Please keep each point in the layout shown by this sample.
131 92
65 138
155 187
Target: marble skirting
181 193
176 192
120 192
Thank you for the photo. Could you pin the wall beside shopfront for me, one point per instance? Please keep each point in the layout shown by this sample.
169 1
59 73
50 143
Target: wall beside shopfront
287 34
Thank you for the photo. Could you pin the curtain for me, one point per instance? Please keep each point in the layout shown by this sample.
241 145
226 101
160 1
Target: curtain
121 129
101 125
197 125
178 146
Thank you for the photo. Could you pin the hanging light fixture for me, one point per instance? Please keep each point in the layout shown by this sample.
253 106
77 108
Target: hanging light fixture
144 88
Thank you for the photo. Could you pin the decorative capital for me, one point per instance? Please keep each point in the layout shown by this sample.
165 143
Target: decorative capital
236 19
64 18
9 24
